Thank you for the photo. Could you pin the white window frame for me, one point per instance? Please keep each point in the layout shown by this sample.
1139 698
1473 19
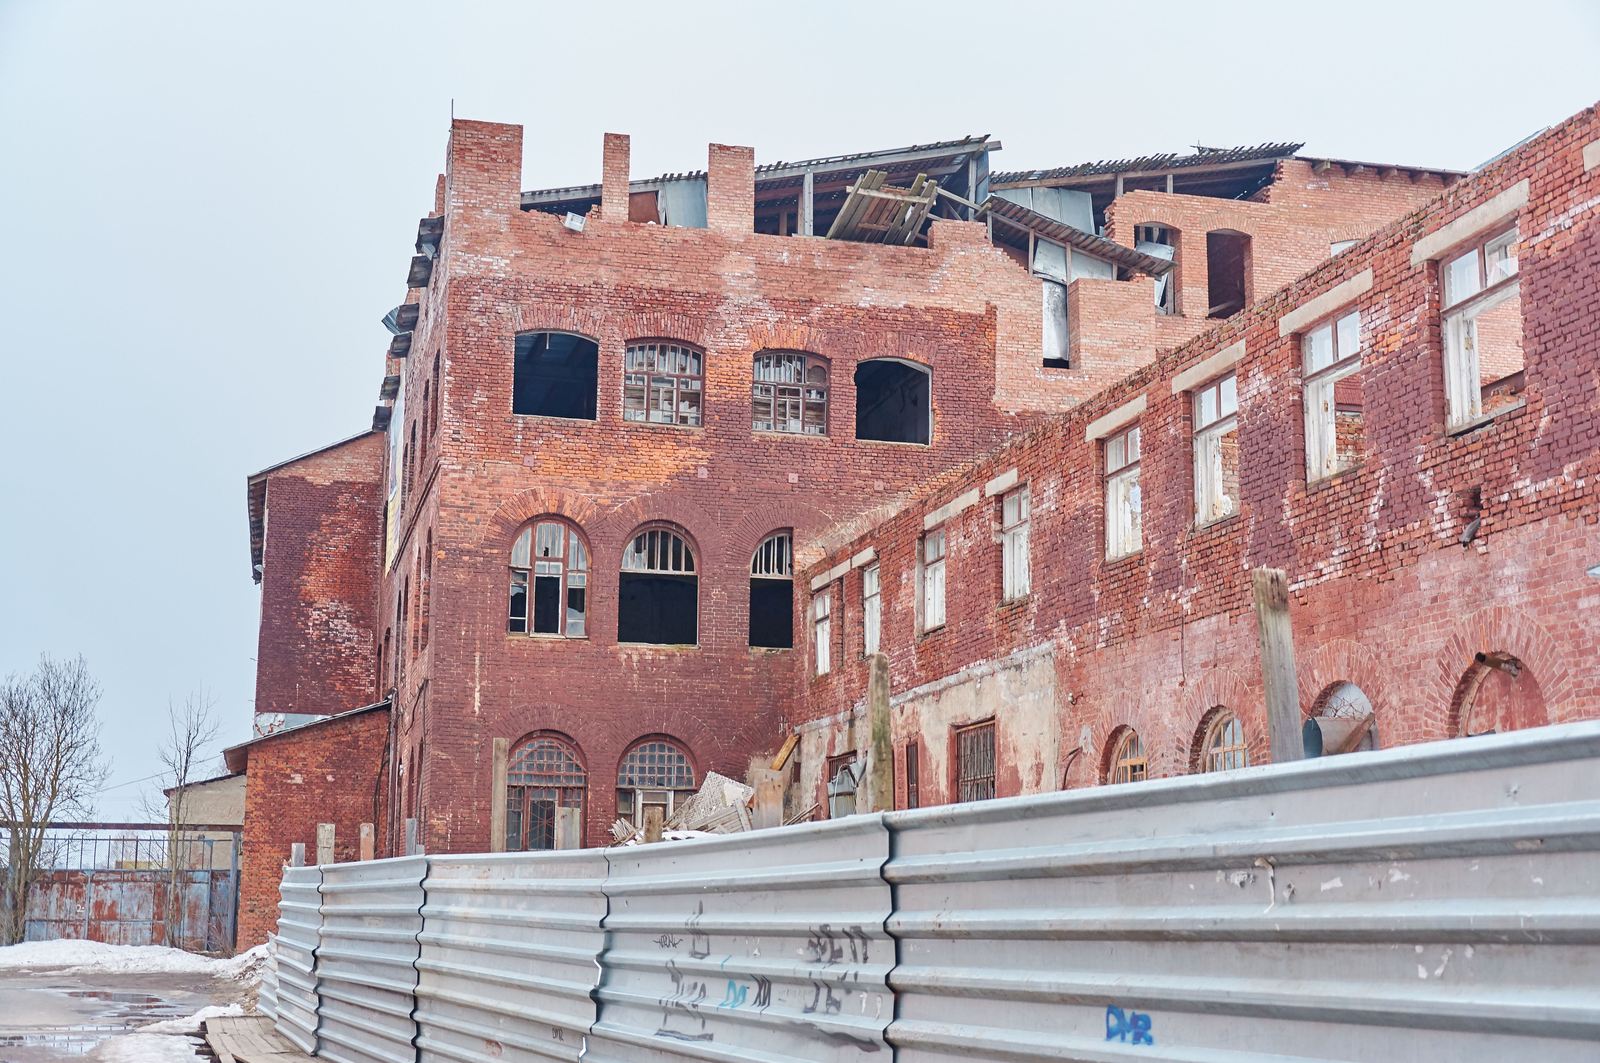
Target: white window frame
1213 422
1121 452
933 551
871 609
822 630
1495 279
1016 578
1321 417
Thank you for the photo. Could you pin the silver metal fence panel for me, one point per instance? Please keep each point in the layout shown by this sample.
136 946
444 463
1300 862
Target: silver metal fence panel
1429 902
366 965
299 934
761 946
510 956
267 991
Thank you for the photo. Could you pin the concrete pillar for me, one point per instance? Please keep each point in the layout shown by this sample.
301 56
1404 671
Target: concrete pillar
614 178
499 765
324 843
731 189
368 842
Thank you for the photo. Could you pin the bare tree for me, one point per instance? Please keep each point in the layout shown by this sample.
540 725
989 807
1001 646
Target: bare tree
50 768
190 729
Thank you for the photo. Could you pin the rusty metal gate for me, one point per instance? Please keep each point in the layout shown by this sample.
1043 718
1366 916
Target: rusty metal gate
116 883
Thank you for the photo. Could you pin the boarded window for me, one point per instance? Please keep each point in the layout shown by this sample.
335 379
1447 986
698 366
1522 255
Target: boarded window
1127 762
549 581
1483 329
662 383
789 393
545 784
975 762
893 402
1124 501
658 591
871 610
913 773
1015 578
1334 422
556 375
1216 450
654 774
822 630
933 579
772 593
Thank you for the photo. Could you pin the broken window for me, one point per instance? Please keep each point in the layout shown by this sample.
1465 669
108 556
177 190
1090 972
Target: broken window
772 593
545 785
1216 450
913 783
871 610
662 383
1227 272
893 401
1158 241
1223 747
549 581
822 630
789 393
933 579
1332 353
1015 579
1056 339
975 762
1342 722
841 779
1127 762
656 773
1124 501
1340 246
658 596
555 375
1482 329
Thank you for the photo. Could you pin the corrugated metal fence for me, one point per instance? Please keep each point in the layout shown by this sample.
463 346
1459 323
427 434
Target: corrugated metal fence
1429 902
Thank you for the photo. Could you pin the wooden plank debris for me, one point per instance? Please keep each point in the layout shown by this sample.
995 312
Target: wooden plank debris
877 213
249 1039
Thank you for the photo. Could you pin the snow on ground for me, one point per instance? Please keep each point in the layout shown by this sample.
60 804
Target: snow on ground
144 1048
192 1023
131 959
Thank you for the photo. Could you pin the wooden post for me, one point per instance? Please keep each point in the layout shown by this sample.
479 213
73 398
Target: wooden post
767 808
1270 588
413 842
369 847
807 219
500 757
324 843
297 854
653 820
880 749
569 828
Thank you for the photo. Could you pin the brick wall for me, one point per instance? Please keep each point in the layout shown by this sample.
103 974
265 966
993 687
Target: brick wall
329 772
1385 594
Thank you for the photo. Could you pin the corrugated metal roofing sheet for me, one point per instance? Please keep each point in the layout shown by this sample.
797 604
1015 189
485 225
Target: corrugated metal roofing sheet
1168 161
1089 243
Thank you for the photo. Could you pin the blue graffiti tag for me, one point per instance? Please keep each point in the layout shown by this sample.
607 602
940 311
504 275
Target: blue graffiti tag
1132 1027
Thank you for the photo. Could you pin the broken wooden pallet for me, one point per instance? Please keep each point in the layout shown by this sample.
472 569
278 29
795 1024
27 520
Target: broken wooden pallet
877 213
249 1039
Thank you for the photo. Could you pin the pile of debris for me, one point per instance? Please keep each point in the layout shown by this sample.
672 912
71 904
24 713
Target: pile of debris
720 806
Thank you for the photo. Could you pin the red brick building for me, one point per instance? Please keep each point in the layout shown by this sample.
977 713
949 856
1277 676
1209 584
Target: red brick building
617 420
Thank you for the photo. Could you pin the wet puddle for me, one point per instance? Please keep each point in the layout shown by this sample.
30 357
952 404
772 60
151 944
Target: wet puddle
55 1021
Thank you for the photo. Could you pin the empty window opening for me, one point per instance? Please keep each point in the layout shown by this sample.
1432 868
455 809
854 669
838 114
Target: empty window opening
549 582
789 393
656 773
1334 424
913 773
892 402
658 594
1056 337
1341 722
975 762
1127 761
772 593
556 374
841 775
1158 241
1498 693
933 548
1015 579
871 610
1124 499
662 383
1227 272
1216 450
1222 744
822 631
545 784
1483 329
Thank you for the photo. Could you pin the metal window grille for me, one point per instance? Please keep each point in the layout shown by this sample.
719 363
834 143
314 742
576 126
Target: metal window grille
656 764
662 383
774 558
1128 761
1224 747
543 775
1124 500
789 393
975 762
658 550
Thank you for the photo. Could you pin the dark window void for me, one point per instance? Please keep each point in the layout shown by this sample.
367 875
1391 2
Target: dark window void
657 608
1227 272
556 375
892 402
772 613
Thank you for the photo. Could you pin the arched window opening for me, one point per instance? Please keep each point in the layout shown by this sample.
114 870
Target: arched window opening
1498 693
662 383
555 374
1343 722
1222 744
789 393
426 418
893 402
658 593
438 398
656 773
772 593
1227 272
545 785
549 581
1127 761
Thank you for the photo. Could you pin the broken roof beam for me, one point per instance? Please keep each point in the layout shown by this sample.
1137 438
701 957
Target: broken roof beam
875 212
1004 211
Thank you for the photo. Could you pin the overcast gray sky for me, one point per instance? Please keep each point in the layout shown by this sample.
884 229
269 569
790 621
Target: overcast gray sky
208 207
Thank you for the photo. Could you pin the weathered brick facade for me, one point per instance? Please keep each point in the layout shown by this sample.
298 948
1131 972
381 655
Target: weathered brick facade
1395 588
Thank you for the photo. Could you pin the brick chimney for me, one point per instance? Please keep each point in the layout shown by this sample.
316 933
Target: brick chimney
614 178
731 189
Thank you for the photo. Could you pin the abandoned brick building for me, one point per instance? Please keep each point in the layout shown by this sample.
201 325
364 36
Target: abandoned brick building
1017 437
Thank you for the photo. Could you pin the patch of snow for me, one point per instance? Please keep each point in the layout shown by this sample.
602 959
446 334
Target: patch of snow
192 1023
101 958
144 1048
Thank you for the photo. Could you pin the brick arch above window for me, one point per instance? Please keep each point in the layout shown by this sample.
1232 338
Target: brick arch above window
1497 630
509 517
